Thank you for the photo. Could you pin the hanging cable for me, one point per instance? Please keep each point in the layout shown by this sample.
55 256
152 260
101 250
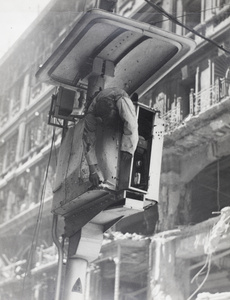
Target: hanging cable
211 245
212 189
201 270
39 218
173 19
67 168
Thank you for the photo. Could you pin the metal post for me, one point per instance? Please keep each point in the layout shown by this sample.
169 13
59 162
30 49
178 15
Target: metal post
84 247
75 278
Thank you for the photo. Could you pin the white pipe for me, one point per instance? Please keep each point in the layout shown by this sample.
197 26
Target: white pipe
60 257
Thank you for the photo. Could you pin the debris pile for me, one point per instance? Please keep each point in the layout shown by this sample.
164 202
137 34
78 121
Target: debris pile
216 296
117 235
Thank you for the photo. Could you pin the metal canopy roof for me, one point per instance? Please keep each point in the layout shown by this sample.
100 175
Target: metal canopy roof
142 54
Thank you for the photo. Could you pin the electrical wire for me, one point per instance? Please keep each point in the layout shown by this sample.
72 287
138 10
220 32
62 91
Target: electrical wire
39 217
55 155
172 18
189 14
209 260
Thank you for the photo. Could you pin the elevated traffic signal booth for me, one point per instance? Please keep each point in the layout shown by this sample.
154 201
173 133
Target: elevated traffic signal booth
103 51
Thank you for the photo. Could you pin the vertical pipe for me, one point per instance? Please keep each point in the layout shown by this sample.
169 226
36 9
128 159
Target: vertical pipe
202 19
117 6
197 96
191 102
97 4
157 260
117 261
210 83
60 257
179 13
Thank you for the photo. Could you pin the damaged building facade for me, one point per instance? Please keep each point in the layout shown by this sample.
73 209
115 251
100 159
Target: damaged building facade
180 252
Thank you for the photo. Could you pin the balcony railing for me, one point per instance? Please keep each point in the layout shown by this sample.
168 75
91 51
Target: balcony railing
198 103
17 270
173 117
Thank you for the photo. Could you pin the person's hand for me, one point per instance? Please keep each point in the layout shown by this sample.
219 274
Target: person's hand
126 155
94 178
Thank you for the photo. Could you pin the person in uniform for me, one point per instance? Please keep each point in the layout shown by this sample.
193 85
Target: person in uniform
109 106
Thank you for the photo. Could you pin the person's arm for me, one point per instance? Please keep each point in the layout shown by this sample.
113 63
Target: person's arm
130 130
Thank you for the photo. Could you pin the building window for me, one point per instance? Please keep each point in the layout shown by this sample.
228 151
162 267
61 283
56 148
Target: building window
192 14
37 131
11 146
2 158
3 203
4 108
32 129
36 85
15 98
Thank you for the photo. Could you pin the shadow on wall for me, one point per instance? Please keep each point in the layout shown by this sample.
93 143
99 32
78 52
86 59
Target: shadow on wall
210 190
